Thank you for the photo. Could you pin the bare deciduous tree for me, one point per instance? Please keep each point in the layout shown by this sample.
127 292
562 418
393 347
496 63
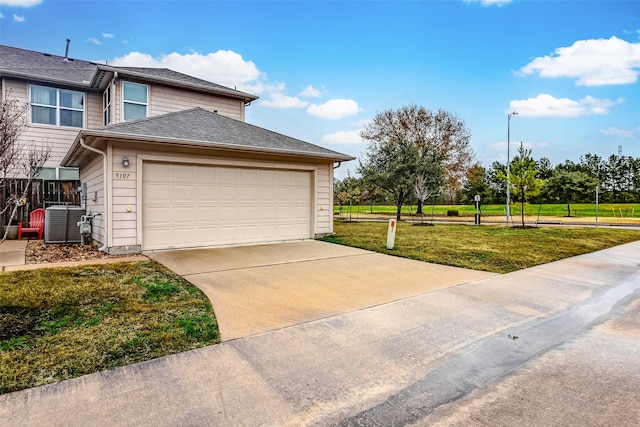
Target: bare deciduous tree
17 162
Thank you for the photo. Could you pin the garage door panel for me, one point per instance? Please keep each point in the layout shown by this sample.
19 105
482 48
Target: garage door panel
186 205
267 177
183 193
183 173
157 193
228 176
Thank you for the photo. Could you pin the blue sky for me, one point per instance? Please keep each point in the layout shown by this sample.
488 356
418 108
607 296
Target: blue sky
324 68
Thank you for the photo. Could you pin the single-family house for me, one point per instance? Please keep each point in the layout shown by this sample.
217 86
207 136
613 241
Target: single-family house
167 159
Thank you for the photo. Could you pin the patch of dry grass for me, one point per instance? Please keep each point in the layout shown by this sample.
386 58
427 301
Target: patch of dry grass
497 249
61 323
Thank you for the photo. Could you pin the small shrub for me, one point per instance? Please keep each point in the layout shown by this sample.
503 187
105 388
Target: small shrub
452 212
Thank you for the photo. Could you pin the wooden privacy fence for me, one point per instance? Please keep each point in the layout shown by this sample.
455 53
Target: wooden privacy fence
42 194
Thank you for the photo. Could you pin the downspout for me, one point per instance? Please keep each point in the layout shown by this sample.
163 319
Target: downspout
106 211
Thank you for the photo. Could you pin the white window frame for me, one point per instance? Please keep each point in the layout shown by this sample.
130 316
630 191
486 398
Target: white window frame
124 101
106 106
57 107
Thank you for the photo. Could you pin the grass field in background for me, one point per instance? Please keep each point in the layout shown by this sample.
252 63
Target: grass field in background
605 210
493 248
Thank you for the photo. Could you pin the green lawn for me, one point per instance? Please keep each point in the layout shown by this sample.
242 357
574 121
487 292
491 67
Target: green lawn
60 323
605 210
490 248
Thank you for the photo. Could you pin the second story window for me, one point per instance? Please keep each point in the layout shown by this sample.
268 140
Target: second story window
135 100
106 106
57 107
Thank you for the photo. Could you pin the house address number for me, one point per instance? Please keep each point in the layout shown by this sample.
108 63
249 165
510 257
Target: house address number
122 175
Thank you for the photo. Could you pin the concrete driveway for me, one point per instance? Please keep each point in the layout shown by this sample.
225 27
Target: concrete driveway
256 289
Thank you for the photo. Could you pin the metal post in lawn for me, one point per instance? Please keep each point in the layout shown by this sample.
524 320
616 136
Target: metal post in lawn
514 113
597 186
476 199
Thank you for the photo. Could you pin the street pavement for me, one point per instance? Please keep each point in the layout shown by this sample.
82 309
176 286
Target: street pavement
557 344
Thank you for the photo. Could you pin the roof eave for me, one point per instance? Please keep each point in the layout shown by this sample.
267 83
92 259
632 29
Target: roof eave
71 154
246 97
31 77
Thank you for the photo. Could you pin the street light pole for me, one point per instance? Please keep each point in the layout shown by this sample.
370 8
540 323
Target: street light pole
514 113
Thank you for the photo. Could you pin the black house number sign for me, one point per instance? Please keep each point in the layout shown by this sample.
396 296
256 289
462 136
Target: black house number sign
122 175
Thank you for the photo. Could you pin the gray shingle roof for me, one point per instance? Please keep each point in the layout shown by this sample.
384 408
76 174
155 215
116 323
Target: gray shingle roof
76 72
43 66
166 74
199 125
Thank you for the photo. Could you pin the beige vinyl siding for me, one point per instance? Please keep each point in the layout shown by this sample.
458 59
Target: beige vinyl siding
93 111
92 174
167 100
324 205
123 196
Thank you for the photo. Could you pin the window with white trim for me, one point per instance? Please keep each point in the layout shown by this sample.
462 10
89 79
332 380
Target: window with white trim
57 107
106 106
135 101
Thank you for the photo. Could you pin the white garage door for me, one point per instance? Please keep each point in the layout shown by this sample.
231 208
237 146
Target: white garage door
185 205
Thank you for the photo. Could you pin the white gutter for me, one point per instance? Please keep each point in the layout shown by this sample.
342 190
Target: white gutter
105 215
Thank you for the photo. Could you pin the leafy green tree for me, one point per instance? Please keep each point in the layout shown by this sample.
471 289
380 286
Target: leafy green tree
412 141
347 191
522 178
495 177
477 183
545 168
570 187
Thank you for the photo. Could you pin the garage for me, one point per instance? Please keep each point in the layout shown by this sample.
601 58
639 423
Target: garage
194 178
190 205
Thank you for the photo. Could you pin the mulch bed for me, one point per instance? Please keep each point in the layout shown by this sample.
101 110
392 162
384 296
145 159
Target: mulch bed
39 253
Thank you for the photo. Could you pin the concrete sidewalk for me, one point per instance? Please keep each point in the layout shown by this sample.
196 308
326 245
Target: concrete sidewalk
12 253
440 358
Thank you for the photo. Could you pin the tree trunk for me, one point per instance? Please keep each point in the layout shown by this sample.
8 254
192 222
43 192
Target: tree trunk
419 210
522 212
398 212
14 211
568 209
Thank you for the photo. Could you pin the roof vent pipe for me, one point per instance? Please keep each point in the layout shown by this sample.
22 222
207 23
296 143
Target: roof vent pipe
66 51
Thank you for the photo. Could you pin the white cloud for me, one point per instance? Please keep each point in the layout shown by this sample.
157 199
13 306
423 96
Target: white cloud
107 36
224 67
311 92
334 109
20 3
545 105
342 137
594 62
283 101
275 96
18 18
94 40
622 133
230 69
489 2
